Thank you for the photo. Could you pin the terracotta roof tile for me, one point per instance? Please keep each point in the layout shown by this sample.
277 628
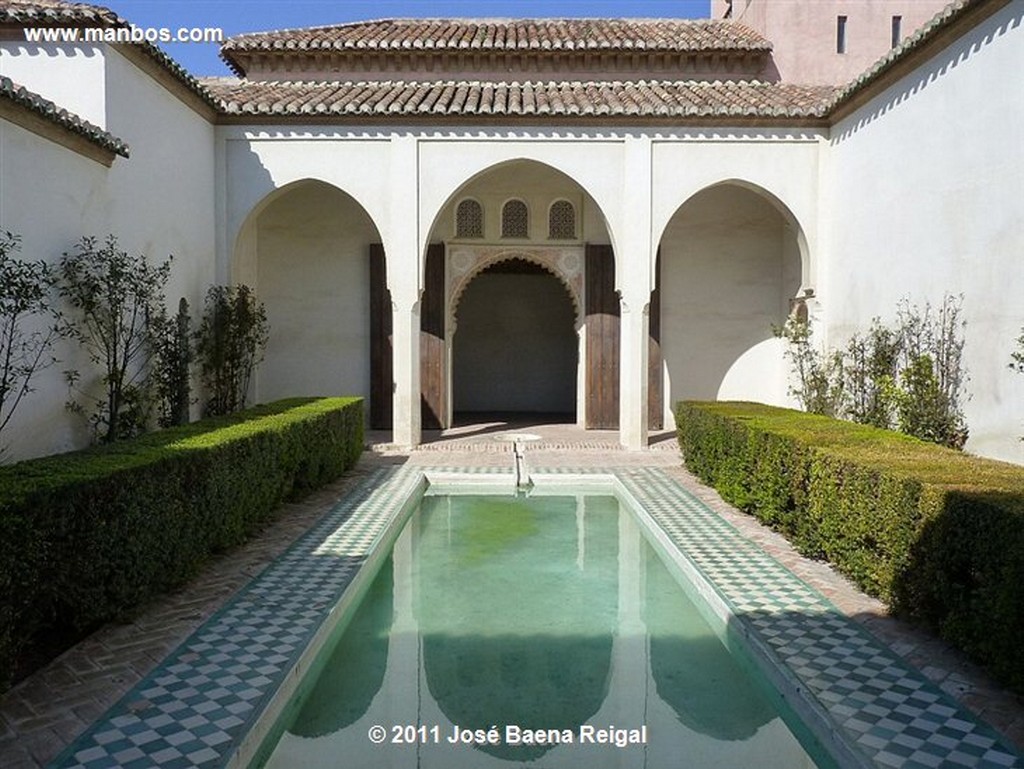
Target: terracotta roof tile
12 92
508 35
58 12
55 12
468 99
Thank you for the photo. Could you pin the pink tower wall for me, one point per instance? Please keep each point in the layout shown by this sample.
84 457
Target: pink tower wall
803 32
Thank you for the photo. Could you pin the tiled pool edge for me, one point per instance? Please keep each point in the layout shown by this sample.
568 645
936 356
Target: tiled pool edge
166 721
640 482
882 708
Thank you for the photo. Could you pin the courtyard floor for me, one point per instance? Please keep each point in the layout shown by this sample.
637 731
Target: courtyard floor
44 713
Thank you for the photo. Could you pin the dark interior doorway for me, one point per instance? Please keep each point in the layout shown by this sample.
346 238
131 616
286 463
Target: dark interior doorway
515 350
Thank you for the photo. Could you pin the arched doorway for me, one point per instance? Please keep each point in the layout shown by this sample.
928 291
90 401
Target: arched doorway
515 350
542 226
304 249
731 261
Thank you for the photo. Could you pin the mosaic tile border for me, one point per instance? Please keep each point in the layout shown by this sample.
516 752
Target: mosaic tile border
198 706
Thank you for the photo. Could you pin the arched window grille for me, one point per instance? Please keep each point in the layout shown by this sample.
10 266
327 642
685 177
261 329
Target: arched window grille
515 220
469 220
562 220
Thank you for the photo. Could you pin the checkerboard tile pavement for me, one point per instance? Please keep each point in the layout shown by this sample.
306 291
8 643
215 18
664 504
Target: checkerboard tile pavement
194 709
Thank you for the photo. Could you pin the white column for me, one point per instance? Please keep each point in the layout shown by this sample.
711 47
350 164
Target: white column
405 281
634 265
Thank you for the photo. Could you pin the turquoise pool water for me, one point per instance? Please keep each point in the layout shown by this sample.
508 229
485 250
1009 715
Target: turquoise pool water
541 631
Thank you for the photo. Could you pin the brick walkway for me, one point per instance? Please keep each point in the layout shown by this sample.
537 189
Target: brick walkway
44 713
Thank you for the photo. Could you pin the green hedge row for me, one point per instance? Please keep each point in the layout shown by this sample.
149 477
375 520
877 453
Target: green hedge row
937 534
86 537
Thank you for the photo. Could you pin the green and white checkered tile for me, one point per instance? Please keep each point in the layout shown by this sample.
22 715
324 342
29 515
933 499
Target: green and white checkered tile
195 708
887 710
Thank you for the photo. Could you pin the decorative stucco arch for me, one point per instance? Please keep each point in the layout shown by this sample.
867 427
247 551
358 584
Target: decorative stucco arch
443 193
565 264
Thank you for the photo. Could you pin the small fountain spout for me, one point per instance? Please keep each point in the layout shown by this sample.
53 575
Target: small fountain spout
518 441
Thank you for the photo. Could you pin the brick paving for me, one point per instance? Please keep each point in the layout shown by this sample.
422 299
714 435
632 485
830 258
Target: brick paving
45 712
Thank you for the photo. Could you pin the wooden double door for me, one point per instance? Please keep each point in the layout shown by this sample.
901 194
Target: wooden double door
601 358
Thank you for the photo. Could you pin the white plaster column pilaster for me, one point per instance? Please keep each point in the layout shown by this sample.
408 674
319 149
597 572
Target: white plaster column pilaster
634 263
405 281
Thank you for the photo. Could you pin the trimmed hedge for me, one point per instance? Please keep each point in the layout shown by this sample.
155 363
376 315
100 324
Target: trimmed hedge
87 537
937 534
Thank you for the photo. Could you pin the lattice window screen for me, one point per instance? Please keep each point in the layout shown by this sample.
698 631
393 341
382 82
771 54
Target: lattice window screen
562 220
515 220
469 220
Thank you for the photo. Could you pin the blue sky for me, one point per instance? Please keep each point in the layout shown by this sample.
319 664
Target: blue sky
236 16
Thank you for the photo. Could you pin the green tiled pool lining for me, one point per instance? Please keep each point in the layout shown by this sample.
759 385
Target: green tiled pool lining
201 706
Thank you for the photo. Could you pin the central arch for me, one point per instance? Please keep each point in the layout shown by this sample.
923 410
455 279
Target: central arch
515 342
545 228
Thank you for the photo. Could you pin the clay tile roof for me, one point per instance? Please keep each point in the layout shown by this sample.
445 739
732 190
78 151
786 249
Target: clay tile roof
12 92
58 12
55 12
475 99
504 36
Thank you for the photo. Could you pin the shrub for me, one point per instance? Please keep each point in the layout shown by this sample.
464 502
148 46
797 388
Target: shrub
24 292
174 367
936 533
116 301
230 342
86 537
909 377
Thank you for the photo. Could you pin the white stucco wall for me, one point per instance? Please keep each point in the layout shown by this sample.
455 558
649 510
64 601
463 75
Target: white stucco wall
924 194
71 76
313 275
158 202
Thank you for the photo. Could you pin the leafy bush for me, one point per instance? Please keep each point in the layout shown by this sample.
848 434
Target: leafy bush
117 300
174 366
86 537
909 377
230 342
936 533
25 289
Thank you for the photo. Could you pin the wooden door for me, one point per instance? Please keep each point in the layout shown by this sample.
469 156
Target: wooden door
433 359
602 349
381 377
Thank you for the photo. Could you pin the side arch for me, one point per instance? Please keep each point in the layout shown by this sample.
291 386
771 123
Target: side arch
305 249
732 262
808 271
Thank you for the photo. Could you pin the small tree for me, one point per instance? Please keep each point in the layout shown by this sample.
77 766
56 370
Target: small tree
819 373
173 367
230 341
933 379
910 377
118 302
24 292
869 376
